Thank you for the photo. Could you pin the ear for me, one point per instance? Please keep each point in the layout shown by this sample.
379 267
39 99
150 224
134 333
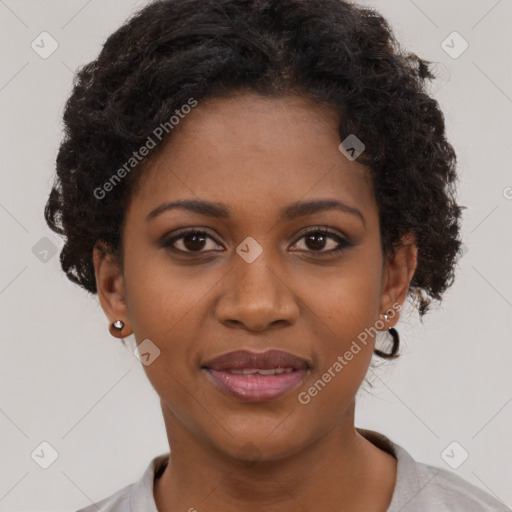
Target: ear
111 289
399 270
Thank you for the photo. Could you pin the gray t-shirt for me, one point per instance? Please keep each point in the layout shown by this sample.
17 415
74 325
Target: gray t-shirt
418 488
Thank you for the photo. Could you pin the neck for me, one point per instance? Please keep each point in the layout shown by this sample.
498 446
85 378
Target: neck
341 467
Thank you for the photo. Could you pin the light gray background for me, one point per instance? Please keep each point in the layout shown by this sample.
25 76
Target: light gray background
66 381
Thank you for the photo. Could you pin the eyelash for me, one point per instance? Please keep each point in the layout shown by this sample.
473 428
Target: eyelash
342 242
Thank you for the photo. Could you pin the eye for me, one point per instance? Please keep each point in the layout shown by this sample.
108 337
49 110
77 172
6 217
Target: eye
191 241
317 240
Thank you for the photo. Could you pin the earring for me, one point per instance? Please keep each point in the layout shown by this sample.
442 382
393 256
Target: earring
116 328
118 325
396 343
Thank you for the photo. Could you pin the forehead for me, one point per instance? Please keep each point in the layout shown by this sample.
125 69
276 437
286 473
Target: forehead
252 153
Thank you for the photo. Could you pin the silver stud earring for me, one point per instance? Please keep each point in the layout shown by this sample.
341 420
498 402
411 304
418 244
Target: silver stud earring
118 325
386 317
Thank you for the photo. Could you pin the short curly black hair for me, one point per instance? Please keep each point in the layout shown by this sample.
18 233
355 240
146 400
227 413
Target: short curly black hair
330 51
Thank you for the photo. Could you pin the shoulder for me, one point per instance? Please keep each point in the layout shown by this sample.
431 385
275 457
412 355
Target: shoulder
120 501
133 497
421 487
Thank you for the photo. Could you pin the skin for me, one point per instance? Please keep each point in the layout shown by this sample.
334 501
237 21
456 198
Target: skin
257 155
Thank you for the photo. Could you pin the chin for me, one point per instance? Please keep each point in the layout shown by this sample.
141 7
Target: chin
267 441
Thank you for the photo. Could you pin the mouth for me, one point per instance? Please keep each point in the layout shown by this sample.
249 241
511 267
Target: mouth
257 377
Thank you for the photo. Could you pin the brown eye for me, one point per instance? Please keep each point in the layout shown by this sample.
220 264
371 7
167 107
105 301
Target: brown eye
194 242
191 241
316 241
322 241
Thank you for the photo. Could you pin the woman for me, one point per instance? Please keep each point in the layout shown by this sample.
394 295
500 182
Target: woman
254 188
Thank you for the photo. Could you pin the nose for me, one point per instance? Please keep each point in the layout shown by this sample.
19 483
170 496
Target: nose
255 296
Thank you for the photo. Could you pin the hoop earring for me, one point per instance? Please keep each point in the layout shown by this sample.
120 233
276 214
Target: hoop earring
393 354
396 343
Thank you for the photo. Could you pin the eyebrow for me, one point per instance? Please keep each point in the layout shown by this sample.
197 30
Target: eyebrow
292 211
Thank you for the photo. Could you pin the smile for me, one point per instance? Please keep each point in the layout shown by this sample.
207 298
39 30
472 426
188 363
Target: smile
257 377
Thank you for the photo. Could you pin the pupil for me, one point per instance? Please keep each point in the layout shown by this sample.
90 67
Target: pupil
318 241
194 242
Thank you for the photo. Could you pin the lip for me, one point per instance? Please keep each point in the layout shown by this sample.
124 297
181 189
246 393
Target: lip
254 386
243 359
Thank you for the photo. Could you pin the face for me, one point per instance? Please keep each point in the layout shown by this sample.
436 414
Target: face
270 263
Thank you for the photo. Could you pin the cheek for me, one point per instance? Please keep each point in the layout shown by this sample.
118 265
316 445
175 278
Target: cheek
343 313
162 296
344 347
162 300
332 388
347 299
